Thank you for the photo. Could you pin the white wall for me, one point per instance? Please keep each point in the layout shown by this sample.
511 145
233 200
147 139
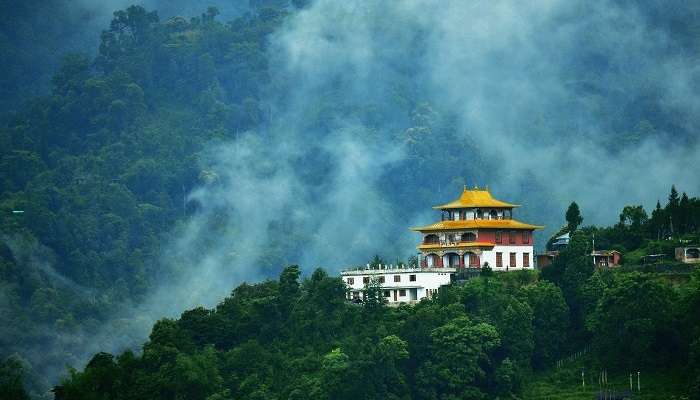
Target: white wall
490 256
425 279
471 213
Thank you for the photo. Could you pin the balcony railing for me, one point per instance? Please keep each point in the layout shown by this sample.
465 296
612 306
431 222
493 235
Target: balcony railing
448 242
393 269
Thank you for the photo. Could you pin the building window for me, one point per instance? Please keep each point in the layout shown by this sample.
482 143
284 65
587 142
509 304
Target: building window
365 279
412 278
499 259
526 237
526 260
432 238
498 237
387 293
511 237
402 292
397 278
381 279
479 214
351 281
468 237
513 262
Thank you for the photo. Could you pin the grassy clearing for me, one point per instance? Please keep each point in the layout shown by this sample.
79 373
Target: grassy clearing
565 383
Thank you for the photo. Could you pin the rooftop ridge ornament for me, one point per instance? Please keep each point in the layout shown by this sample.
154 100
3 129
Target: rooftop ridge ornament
474 198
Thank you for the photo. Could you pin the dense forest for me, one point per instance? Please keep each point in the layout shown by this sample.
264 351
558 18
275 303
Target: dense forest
107 171
482 338
100 167
96 177
286 339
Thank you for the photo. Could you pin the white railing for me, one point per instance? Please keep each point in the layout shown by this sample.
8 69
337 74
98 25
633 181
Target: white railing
384 269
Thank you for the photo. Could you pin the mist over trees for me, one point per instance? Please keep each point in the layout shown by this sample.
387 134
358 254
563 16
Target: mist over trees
36 35
241 135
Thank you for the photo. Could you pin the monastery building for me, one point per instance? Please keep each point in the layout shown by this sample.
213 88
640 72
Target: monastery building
474 230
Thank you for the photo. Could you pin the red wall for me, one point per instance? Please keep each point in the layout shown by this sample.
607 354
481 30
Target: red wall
489 235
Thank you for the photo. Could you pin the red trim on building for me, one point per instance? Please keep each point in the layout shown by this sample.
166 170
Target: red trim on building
521 237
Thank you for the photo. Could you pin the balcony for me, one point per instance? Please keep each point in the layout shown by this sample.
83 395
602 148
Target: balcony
392 269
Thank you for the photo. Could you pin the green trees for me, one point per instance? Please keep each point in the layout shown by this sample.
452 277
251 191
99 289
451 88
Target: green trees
373 296
691 327
573 217
101 166
303 340
102 163
680 216
287 339
11 376
550 322
570 271
634 322
460 361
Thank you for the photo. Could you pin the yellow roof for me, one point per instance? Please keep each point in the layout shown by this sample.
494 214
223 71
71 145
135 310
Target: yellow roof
476 223
458 245
475 198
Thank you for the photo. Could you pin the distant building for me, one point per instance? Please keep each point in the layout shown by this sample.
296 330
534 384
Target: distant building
606 258
652 258
545 259
561 241
688 255
474 230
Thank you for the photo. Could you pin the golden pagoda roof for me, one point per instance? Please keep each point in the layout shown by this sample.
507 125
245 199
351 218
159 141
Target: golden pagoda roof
476 223
457 245
475 198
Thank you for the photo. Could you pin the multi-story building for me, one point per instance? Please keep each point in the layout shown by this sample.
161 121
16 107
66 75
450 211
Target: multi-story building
475 230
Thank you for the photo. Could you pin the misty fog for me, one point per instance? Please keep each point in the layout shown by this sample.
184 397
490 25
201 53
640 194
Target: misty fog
536 98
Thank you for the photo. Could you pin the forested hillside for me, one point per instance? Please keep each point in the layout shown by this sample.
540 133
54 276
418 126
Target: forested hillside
289 340
488 337
96 176
190 154
100 169
35 35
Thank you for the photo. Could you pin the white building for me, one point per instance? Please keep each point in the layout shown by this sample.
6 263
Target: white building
399 285
475 230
